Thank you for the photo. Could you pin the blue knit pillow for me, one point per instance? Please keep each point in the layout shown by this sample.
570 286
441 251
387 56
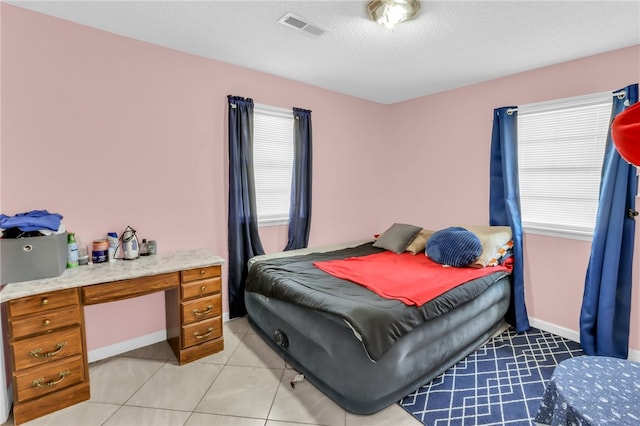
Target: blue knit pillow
454 246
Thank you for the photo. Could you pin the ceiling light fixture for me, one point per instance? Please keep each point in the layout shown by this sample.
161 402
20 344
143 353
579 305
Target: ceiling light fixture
392 12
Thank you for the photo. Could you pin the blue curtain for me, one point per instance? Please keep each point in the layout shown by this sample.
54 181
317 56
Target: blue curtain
244 240
606 304
504 204
300 210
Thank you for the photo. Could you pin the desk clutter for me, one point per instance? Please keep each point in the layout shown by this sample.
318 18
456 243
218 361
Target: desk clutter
106 250
37 245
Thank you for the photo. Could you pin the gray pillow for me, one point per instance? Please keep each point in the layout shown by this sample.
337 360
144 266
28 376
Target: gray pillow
397 238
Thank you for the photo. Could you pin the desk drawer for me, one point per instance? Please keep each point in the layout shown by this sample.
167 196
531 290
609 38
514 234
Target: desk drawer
200 309
45 321
39 381
43 302
46 348
201 332
125 289
201 288
200 273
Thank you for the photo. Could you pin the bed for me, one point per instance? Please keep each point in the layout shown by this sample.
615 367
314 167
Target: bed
362 350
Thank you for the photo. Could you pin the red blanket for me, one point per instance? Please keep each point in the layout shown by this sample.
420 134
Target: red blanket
413 279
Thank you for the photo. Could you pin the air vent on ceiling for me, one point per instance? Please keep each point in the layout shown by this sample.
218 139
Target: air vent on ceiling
299 23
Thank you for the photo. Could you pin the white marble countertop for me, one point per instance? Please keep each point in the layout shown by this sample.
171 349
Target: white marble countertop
113 271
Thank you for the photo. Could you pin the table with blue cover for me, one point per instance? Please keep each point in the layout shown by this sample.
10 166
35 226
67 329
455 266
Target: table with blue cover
592 390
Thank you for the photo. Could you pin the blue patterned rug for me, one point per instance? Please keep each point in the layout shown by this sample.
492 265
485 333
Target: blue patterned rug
501 383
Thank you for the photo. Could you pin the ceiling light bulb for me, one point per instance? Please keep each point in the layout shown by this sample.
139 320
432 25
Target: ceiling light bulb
392 12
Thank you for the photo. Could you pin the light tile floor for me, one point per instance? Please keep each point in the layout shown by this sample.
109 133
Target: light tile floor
247 384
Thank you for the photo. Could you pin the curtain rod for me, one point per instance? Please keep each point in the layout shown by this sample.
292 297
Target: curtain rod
621 95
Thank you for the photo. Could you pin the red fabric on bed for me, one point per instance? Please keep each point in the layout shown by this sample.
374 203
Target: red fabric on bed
412 279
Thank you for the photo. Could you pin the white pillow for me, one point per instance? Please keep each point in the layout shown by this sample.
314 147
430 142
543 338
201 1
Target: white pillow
493 240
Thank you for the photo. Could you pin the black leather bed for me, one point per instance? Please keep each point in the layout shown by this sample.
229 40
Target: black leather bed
364 351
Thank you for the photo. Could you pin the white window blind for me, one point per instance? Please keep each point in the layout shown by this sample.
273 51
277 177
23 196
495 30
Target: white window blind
272 162
560 153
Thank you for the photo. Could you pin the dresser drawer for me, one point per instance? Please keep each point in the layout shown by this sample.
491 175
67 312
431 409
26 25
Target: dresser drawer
200 273
201 332
201 288
43 302
200 309
46 348
51 377
45 321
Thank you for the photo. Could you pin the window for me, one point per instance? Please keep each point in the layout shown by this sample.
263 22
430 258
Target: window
560 153
272 162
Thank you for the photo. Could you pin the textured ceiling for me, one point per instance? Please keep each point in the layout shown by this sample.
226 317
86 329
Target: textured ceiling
449 44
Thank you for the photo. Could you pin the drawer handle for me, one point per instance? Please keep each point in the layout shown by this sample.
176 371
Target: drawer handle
37 353
203 288
201 313
39 382
202 271
44 301
46 322
202 336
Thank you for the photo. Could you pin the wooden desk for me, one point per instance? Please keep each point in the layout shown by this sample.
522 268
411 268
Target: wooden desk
46 330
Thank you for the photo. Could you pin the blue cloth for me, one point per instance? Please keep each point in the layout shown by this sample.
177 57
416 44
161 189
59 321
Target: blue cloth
504 204
300 206
243 238
606 303
33 220
592 390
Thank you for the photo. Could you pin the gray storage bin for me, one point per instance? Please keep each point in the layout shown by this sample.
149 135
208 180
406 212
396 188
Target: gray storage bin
24 259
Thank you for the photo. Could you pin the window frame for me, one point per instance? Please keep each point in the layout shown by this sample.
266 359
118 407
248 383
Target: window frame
557 104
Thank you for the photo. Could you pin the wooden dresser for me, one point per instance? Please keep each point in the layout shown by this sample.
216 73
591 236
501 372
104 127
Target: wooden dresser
46 332
200 314
48 353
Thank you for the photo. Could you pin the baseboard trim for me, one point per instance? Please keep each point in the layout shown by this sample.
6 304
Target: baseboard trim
634 355
555 329
126 346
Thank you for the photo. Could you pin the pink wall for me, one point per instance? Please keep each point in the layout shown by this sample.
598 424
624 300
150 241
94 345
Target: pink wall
448 136
119 132
110 132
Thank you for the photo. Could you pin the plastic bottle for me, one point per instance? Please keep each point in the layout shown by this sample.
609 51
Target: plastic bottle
112 237
72 250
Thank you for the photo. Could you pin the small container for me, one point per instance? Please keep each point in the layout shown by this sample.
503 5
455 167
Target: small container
144 248
100 245
152 247
83 256
99 256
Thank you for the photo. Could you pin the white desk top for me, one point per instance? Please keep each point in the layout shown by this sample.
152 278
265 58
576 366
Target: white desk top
113 271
